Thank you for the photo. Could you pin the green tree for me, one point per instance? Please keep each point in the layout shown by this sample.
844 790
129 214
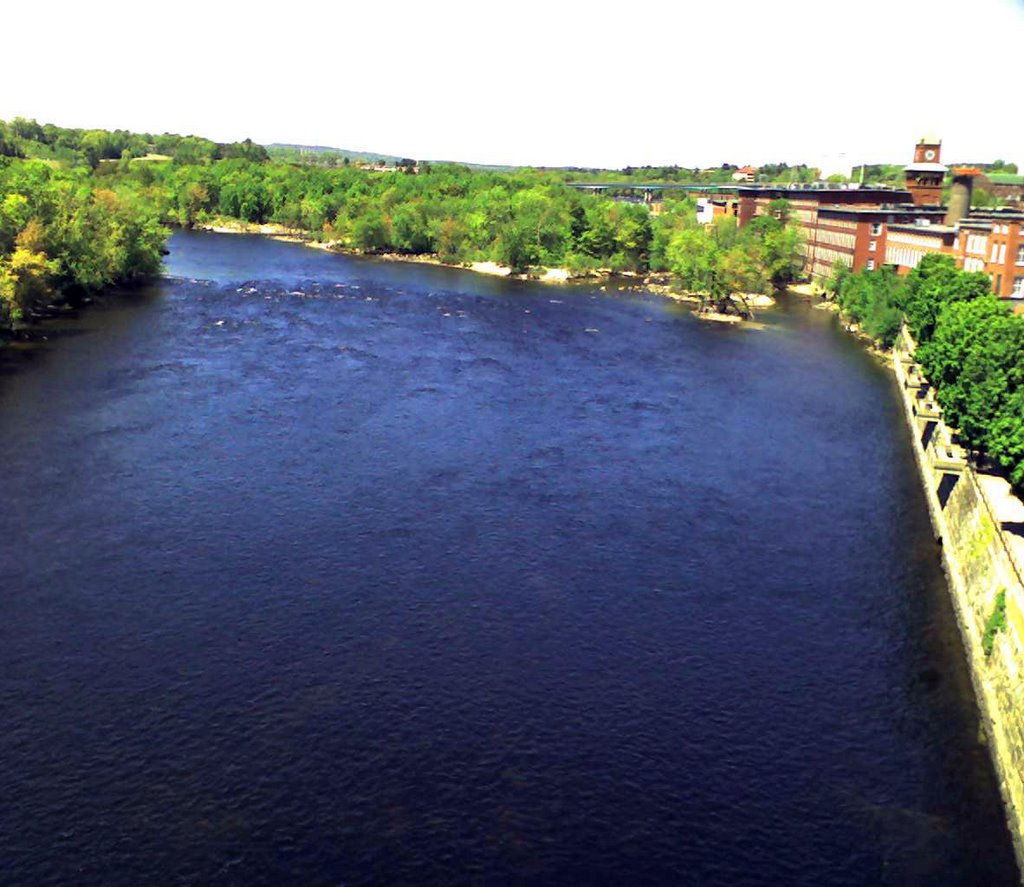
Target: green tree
933 284
370 232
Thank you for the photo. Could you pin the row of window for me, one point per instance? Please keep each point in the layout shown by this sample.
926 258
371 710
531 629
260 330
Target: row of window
974 264
839 223
829 256
900 255
928 242
835 238
998 255
976 243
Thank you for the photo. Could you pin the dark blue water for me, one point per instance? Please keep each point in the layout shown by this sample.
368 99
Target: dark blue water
320 570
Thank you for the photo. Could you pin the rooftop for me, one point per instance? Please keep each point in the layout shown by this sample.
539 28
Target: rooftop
824 190
998 213
925 167
924 229
886 209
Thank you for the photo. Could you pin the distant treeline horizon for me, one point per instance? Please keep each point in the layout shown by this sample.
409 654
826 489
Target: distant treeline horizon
28 138
70 191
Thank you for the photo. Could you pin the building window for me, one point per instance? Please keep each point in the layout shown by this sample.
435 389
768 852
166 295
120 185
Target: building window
1018 288
997 287
876 228
871 266
872 246
1020 254
1002 254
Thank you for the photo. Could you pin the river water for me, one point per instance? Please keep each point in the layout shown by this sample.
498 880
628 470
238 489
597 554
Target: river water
323 570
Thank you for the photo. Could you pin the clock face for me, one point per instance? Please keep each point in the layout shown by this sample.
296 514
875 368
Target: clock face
929 154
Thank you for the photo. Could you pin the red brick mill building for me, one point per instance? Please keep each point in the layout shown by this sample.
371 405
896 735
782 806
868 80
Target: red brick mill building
866 228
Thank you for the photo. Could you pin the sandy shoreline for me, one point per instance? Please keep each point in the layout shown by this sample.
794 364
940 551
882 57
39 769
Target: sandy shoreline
294 235
550 275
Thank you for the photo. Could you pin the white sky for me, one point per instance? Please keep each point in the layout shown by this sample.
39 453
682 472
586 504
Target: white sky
543 83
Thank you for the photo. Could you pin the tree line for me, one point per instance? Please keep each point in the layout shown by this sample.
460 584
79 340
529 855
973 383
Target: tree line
96 217
970 346
70 147
524 219
60 234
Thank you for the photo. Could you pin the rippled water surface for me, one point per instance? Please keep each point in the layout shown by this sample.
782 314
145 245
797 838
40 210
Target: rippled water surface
319 570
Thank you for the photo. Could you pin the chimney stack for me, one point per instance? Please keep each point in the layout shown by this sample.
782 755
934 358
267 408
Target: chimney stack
960 194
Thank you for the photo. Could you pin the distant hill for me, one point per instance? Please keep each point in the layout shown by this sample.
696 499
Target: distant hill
284 151
320 153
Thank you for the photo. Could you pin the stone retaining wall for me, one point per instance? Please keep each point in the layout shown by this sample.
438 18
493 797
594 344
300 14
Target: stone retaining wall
981 558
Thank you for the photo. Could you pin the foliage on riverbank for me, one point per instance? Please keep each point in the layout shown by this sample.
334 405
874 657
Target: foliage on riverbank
62 233
724 258
970 346
871 300
523 219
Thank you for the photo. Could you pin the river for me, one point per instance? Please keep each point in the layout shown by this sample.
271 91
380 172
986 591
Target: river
327 570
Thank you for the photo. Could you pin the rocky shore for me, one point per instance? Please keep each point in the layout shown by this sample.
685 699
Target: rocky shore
659 284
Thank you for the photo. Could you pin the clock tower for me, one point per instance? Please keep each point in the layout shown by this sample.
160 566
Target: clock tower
928 150
926 174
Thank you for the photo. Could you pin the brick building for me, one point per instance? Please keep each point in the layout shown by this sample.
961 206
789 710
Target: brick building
993 241
838 224
866 228
857 237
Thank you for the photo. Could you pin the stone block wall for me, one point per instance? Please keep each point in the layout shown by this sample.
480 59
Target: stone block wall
980 562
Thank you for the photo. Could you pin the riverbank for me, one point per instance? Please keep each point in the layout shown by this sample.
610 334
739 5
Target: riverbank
652 283
296 235
977 520
814 293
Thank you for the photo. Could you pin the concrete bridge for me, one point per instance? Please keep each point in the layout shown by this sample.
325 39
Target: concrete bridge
650 187
649 190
